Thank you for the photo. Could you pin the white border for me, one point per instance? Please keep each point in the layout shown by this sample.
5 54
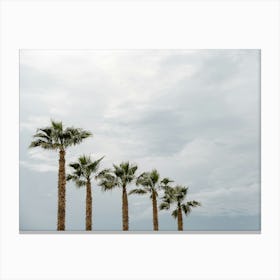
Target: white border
140 25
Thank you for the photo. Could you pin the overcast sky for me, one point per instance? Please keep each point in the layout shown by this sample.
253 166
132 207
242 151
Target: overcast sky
193 115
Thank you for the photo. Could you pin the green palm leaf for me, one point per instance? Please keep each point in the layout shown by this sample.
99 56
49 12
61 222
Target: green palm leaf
176 195
83 169
149 181
164 206
56 137
120 175
138 191
175 213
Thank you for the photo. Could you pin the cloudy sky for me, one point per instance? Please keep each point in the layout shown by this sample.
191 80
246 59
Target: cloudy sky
193 115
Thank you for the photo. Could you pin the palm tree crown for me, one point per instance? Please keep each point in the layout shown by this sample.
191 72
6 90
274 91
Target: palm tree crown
57 137
83 170
177 196
120 176
149 182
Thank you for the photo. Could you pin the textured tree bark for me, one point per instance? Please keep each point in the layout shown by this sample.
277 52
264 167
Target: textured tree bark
180 219
155 211
124 209
88 207
61 192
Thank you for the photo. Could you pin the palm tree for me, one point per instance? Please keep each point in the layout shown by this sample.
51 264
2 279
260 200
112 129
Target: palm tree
120 176
57 137
150 183
177 195
81 176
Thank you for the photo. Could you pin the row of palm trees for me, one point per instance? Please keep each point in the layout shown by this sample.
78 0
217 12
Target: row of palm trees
84 170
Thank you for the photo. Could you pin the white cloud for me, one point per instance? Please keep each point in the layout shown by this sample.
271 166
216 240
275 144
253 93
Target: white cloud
31 123
39 167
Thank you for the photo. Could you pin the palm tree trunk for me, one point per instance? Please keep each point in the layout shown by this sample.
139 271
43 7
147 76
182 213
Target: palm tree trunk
124 209
61 191
180 219
88 207
155 211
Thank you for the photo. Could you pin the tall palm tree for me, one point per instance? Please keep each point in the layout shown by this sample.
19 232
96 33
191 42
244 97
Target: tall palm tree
149 182
120 176
82 173
57 137
177 196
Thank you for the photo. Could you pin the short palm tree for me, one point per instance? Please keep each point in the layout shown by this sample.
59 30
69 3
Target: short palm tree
82 173
57 137
120 176
177 196
149 182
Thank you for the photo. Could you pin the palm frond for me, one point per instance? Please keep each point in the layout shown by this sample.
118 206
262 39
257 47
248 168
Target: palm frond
76 179
194 203
45 131
175 213
118 171
84 160
104 173
164 206
81 183
93 166
107 179
154 175
70 177
43 136
133 169
57 125
74 165
186 209
165 182
44 139
169 195
143 179
43 144
149 180
72 136
125 172
125 166
107 185
138 191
